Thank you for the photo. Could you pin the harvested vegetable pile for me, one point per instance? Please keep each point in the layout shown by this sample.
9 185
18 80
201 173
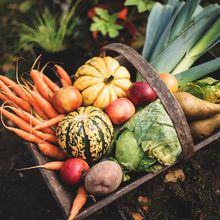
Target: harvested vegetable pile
75 124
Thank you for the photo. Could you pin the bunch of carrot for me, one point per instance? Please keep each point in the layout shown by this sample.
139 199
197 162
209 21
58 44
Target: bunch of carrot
30 108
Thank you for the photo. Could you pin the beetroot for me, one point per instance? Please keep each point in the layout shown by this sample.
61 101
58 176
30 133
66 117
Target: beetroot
73 171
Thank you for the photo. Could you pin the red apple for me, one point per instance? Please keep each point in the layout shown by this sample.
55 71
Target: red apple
73 171
120 110
140 93
67 99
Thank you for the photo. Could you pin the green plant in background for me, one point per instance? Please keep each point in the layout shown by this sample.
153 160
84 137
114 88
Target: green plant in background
142 5
49 32
105 23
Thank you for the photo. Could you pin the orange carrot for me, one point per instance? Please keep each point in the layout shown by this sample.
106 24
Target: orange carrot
53 86
54 165
26 127
51 151
11 96
45 105
63 75
25 135
30 119
14 86
3 97
45 148
78 203
64 83
49 122
40 84
45 136
36 107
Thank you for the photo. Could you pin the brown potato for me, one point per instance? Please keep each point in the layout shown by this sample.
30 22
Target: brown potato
104 178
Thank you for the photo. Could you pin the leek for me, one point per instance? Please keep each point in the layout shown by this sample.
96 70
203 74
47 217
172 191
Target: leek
198 71
155 26
211 38
185 36
171 56
184 17
163 41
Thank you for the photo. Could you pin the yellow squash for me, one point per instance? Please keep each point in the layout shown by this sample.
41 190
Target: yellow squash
101 81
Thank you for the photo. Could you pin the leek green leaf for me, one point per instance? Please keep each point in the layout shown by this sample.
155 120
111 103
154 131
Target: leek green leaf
197 72
168 58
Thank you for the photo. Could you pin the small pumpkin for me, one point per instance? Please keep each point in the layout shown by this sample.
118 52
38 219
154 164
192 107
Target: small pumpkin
85 133
101 81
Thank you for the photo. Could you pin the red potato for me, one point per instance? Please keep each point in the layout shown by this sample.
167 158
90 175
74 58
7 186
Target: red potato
120 110
73 171
67 99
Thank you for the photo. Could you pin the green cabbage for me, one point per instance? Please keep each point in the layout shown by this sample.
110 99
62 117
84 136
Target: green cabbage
127 150
148 141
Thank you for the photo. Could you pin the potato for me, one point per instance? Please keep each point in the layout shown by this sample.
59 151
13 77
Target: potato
104 178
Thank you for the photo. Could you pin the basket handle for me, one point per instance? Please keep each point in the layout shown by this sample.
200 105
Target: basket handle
168 100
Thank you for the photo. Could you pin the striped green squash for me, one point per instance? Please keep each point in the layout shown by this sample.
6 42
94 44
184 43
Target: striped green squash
85 133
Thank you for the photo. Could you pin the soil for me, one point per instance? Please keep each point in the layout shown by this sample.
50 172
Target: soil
24 195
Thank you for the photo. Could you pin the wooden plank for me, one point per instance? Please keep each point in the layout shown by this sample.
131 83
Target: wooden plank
59 191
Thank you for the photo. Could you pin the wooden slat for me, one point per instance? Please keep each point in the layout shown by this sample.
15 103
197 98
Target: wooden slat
61 194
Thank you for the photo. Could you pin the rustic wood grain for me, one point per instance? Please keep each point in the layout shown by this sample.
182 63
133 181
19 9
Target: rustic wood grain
59 191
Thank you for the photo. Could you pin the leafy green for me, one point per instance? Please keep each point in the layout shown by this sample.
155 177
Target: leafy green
193 89
206 88
105 23
47 31
142 5
150 131
127 150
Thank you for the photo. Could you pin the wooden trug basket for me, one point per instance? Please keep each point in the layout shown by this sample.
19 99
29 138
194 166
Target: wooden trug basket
64 195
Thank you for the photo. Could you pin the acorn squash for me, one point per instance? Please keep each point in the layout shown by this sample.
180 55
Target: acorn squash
101 81
85 133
